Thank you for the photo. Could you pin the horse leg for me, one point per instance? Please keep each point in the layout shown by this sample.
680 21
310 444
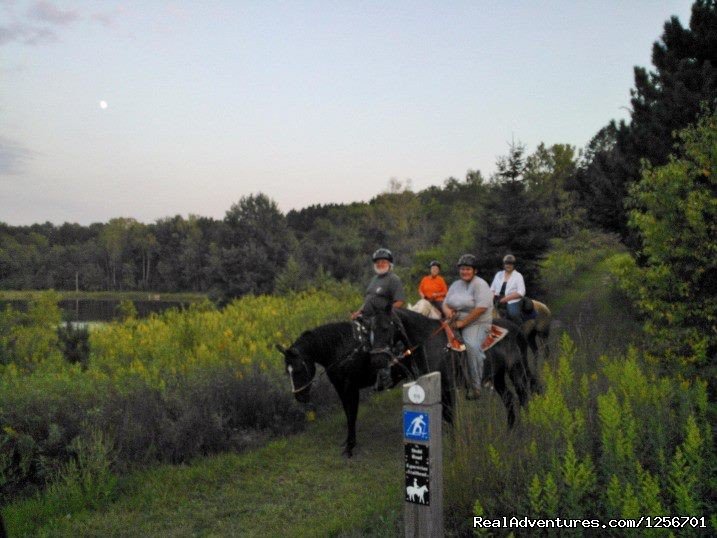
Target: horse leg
519 377
505 394
350 401
545 340
533 344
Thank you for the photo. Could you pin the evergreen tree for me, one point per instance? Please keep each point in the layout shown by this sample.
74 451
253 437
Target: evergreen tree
663 101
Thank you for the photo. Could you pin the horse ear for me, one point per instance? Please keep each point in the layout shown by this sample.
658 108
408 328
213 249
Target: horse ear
281 349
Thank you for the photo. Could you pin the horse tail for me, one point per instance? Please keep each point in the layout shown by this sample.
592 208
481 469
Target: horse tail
545 316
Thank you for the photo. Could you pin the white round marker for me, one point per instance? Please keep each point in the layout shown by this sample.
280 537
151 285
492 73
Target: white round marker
416 394
103 104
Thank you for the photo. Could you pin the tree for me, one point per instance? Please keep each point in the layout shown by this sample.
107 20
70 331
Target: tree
256 243
663 101
676 217
547 173
514 222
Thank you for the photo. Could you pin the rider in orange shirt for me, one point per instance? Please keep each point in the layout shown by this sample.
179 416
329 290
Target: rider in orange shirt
432 287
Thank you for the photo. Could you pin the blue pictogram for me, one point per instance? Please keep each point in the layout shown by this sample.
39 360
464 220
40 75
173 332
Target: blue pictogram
415 426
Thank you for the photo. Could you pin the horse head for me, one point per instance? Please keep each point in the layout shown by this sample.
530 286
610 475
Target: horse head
382 332
301 371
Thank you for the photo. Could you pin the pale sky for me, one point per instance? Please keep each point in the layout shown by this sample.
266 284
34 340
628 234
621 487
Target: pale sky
149 109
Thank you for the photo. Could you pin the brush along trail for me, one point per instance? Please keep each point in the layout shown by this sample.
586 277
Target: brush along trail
297 485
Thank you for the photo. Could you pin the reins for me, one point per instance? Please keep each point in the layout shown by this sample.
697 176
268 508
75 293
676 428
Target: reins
326 369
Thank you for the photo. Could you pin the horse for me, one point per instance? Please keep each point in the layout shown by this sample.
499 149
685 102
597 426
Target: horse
426 308
539 327
348 365
345 363
430 353
414 491
534 328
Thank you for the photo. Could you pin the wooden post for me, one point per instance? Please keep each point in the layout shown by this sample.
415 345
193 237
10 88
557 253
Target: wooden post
423 450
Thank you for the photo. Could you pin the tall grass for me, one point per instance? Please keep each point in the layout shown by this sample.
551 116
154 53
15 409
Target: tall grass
608 437
166 388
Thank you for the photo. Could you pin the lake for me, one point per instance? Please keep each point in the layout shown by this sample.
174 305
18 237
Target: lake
100 309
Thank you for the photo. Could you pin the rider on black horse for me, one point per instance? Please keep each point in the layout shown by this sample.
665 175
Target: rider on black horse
384 292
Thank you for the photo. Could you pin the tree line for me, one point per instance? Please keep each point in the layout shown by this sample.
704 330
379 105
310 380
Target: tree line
256 248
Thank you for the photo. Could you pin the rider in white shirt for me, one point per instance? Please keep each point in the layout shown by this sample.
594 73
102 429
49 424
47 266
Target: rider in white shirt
508 288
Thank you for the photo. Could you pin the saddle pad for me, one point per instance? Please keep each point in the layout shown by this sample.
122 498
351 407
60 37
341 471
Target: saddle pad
495 335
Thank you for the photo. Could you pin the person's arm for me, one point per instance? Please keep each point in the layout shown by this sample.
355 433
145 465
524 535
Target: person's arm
399 297
442 290
519 289
420 288
448 312
495 285
471 317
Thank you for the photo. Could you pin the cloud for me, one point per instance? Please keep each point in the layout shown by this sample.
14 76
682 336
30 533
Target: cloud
29 35
41 22
47 12
13 156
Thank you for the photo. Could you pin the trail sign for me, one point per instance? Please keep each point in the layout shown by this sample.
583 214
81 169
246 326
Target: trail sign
416 425
417 474
423 455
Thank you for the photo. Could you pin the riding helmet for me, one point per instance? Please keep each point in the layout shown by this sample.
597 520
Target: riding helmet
434 262
469 260
509 258
382 254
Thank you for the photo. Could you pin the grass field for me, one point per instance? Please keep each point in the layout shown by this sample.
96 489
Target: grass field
299 484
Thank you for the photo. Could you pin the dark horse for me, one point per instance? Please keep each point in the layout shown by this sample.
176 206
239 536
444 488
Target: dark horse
349 369
507 358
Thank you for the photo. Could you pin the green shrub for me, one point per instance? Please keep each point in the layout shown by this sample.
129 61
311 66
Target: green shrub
166 388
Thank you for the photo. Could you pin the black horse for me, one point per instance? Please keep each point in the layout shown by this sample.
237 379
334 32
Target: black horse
348 365
507 358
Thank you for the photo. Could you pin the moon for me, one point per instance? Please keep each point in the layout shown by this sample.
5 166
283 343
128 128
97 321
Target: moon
103 105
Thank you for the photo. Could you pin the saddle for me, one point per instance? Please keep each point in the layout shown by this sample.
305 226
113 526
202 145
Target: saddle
495 335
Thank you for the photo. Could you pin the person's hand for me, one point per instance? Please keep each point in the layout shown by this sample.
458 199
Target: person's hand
356 314
503 300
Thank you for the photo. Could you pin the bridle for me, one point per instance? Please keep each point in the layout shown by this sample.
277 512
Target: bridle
315 377
410 350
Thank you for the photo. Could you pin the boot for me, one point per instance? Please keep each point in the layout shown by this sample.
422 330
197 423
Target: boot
383 379
473 393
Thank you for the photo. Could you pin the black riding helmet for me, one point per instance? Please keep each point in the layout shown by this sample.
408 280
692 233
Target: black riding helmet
382 254
469 260
434 262
509 258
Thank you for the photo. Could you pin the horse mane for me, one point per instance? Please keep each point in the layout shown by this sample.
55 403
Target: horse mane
325 340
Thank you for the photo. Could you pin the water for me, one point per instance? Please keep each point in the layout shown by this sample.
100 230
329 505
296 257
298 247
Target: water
86 310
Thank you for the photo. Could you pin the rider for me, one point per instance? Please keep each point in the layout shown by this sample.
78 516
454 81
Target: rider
432 287
508 289
384 289
469 299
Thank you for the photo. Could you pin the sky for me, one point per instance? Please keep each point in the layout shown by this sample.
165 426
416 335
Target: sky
148 109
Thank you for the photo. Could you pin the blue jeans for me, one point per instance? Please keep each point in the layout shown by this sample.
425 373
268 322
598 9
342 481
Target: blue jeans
514 312
473 337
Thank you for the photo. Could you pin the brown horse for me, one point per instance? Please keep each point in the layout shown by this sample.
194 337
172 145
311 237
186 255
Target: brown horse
535 328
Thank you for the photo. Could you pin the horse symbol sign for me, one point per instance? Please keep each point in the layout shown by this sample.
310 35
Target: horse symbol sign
417 474
415 426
